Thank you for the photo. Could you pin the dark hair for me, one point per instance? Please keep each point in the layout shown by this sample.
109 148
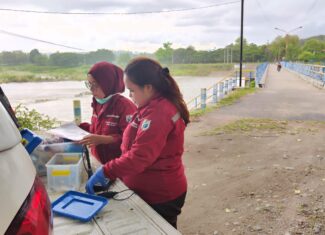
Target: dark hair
145 71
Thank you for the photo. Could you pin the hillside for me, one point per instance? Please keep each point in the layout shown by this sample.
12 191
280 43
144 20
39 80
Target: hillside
318 37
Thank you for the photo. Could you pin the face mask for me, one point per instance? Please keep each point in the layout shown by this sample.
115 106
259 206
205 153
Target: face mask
104 100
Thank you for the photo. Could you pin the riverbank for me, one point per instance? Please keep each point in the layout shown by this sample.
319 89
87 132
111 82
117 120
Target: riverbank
33 73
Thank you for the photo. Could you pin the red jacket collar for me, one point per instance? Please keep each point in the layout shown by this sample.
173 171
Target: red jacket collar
152 102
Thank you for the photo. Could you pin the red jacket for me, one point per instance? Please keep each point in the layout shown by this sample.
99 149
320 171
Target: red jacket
152 148
110 118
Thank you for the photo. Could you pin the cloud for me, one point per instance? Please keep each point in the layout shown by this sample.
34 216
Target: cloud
204 28
98 5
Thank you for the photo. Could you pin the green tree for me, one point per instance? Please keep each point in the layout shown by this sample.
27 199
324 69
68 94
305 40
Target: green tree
293 47
237 42
165 53
123 58
66 59
314 46
305 56
277 48
99 55
35 57
13 58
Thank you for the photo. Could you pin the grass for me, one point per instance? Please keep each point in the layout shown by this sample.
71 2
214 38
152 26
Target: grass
33 73
236 95
194 114
197 69
249 125
229 100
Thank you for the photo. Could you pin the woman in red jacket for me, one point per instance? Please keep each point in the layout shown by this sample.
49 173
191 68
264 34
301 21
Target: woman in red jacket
153 143
111 111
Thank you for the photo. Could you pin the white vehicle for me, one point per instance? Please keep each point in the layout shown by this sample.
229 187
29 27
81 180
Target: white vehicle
24 202
25 207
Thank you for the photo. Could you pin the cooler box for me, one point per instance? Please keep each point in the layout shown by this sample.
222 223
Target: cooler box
64 172
30 140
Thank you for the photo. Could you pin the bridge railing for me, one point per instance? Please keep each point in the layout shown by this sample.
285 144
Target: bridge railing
316 72
221 89
261 74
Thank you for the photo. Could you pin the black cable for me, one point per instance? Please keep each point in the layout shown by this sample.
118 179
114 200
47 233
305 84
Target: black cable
311 7
38 40
102 190
112 194
118 13
122 199
267 19
85 156
309 10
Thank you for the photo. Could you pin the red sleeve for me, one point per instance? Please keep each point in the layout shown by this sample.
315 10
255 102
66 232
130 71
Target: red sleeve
148 144
85 126
127 108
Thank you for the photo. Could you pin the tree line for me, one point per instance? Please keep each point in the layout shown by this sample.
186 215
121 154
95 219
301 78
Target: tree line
289 48
281 48
63 59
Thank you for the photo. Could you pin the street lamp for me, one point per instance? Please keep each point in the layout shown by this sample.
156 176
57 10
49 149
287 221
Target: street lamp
241 43
287 36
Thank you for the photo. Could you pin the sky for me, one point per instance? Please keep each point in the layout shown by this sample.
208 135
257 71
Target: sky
205 29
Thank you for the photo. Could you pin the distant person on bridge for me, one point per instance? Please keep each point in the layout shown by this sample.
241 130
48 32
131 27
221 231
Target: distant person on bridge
279 66
111 111
153 143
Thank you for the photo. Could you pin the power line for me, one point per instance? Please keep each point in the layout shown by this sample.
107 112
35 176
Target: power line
311 7
38 40
118 13
266 18
309 10
264 13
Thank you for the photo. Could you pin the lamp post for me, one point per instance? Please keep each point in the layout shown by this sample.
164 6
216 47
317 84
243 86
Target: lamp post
241 43
287 36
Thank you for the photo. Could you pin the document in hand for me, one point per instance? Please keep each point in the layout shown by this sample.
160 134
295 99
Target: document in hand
69 131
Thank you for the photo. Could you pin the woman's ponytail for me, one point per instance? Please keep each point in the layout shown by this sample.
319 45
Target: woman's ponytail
143 71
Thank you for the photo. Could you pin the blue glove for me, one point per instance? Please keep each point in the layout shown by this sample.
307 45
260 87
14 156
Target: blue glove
98 178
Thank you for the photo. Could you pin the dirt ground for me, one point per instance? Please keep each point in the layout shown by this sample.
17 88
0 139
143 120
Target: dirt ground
263 178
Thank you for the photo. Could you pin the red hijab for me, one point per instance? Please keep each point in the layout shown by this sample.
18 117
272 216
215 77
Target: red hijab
109 77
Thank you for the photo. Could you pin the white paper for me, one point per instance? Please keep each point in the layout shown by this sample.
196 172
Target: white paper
69 131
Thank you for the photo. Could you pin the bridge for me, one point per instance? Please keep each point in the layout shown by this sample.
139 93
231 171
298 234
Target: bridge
294 93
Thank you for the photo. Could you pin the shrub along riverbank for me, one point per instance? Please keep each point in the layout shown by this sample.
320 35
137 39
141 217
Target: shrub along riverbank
33 73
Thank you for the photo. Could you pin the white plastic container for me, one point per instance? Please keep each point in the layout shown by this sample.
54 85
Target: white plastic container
44 152
64 172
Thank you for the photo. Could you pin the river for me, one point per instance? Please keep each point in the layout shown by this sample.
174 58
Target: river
55 99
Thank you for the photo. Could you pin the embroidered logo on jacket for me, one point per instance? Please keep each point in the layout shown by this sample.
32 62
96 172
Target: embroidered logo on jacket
128 118
145 124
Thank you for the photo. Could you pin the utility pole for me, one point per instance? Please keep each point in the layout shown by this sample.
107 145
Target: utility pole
241 43
287 42
231 55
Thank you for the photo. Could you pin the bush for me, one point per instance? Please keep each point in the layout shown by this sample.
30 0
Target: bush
33 120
